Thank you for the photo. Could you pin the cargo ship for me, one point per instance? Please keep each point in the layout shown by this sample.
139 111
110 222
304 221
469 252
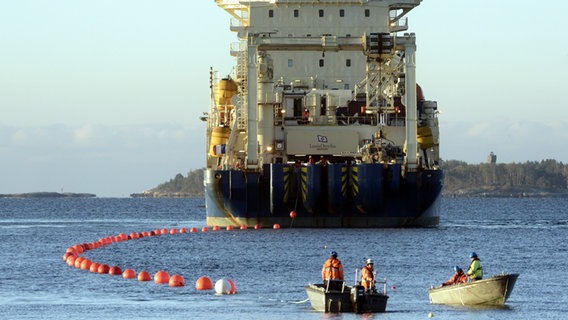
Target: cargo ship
321 123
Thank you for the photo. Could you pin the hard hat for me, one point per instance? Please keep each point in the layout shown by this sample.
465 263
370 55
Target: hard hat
333 253
473 255
369 261
457 269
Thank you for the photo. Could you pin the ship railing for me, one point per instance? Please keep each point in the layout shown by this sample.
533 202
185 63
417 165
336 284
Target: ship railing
328 120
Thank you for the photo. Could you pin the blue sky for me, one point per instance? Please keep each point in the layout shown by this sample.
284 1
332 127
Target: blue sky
104 96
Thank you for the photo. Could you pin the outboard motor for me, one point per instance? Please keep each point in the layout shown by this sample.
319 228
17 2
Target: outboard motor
358 298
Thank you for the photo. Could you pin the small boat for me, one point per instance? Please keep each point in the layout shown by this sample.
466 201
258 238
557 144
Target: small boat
492 291
344 298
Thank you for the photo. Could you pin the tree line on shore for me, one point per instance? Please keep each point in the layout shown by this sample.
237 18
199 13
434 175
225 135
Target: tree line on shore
532 178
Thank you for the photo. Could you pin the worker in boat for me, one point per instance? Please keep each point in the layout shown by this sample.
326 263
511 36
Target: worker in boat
474 271
458 277
368 276
332 272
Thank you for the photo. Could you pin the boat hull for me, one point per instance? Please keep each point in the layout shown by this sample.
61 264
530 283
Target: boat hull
332 196
493 291
344 301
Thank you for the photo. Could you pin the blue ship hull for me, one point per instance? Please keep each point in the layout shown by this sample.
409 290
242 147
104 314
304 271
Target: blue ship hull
324 196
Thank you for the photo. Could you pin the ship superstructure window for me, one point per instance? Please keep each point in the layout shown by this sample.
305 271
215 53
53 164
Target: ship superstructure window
341 13
367 13
270 13
348 63
290 63
296 13
321 62
321 13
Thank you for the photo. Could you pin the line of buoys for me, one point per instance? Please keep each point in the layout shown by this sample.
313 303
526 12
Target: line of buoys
73 258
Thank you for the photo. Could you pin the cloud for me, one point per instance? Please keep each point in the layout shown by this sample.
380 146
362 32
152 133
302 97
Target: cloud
108 160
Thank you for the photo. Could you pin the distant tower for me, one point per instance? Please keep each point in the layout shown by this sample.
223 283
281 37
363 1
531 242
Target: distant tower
492 158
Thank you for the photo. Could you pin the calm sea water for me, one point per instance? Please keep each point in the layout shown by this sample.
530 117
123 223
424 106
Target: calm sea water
270 267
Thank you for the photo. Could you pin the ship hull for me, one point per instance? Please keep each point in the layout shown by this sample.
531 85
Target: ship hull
324 196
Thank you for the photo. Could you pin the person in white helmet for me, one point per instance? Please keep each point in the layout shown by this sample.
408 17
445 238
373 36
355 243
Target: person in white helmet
367 276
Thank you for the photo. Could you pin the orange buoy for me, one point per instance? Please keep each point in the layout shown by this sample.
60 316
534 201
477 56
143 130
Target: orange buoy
145 233
173 231
123 236
203 283
77 263
86 264
183 230
161 277
243 227
67 254
115 271
79 248
134 235
257 226
276 226
192 230
229 228
165 231
71 260
233 287
144 276
103 268
72 250
293 214
94 268
204 229
216 228
129 274
176 281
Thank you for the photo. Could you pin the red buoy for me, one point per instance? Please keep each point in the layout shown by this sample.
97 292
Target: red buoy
103 269
161 277
129 274
86 264
293 214
203 283
71 260
115 271
144 276
233 287
192 230
229 228
173 231
243 227
276 226
78 261
183 230
216 228
94 268
204 229
176 281
257 226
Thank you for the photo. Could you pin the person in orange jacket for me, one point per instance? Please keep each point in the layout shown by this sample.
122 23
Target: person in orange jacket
332 269
368 276
458 277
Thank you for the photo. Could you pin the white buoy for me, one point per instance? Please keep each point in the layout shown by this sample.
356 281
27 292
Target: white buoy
430 315
223 286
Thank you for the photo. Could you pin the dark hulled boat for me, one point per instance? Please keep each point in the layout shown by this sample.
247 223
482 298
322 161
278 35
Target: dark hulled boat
312 127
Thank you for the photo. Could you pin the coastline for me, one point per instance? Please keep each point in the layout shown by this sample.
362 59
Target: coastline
48 195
